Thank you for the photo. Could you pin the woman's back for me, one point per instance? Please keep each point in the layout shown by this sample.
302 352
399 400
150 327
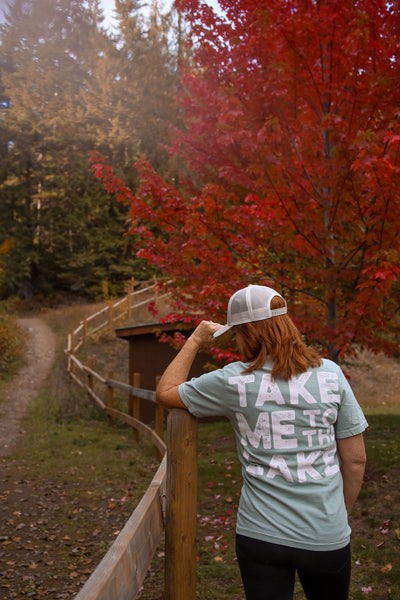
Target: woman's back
286 440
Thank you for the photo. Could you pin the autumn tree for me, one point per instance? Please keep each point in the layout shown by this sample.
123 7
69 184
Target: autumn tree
291 145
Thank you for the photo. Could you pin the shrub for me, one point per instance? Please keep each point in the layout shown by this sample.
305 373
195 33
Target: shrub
11 336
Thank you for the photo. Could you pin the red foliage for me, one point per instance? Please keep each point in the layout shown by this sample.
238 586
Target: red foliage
292 143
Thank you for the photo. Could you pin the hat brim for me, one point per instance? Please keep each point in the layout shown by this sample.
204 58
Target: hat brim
222 330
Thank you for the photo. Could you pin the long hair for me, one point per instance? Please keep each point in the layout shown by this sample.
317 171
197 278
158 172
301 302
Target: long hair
278 340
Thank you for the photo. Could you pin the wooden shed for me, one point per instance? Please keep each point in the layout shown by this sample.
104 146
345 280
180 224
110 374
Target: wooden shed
150 357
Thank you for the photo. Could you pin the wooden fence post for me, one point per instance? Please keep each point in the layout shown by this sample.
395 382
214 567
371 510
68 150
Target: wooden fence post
181 513
159 422
90 376
69 353
130 291
110 316
72 350
85 331
134 404
155 290
129 303
110 397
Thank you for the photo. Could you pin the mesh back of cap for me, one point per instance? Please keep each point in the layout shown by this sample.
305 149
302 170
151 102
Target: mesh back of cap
252 304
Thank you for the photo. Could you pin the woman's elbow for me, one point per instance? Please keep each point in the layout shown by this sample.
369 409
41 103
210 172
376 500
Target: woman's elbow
169 397
162 397
355 465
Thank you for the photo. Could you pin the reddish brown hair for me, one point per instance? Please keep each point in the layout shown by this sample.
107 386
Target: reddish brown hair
278 340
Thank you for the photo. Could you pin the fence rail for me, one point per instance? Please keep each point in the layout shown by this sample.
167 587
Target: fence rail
113 313
170 500
121 572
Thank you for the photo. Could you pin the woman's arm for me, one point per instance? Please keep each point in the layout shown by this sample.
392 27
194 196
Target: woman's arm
352 465
178 370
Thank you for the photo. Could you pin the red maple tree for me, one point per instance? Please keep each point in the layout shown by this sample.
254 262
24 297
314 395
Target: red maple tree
291 142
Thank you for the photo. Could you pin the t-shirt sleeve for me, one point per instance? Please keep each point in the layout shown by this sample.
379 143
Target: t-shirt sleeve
204 395
351 420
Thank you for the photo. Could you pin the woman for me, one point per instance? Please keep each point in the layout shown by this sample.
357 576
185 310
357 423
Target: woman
299 438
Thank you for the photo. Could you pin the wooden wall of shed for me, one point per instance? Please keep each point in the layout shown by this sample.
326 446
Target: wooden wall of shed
149 357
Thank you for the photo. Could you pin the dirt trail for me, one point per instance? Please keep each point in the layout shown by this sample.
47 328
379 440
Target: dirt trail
26 385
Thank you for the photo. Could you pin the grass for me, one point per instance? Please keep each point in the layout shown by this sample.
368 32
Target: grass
12 343
376 527
7 377
15 359
382 439
90 476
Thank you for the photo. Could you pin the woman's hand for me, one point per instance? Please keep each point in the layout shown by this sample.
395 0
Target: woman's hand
178 370
204 332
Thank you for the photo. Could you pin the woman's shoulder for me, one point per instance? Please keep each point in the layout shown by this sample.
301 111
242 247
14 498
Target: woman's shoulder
228 370
329 365
234 367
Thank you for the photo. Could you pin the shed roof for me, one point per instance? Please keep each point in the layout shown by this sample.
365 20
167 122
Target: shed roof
129 331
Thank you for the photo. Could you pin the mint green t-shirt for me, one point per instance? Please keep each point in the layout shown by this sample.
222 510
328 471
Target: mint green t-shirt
286 433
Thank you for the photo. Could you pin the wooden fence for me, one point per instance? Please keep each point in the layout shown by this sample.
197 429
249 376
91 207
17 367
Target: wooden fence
169 503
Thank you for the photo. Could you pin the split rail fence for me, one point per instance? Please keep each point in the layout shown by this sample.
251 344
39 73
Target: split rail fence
169 503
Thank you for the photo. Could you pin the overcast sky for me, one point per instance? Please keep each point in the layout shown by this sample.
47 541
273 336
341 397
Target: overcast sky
2 5
108 6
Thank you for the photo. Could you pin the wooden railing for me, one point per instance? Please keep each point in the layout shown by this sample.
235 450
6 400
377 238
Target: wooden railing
169 502
110 314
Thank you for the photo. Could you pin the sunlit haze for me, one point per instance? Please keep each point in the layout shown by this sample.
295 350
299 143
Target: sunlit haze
108 7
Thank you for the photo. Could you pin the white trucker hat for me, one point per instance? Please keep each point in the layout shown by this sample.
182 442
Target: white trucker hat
251 304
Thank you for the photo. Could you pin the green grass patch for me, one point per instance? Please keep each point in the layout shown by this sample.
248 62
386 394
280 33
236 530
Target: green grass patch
382 439
11 337
84 445
12 345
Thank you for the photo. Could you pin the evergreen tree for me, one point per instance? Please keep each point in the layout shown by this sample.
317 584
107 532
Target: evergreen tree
67 87
147 84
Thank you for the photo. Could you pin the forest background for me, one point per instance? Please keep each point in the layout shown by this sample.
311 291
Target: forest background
69 86
265 139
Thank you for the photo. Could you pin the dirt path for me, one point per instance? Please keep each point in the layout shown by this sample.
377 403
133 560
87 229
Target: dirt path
54 527
26 385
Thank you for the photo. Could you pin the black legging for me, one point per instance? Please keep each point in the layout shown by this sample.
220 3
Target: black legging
268 571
